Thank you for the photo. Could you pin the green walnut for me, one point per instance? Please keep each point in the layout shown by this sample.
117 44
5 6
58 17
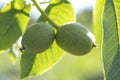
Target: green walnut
38 37
75 38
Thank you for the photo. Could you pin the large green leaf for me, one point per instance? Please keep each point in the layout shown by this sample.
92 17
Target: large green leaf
97 21
117 11
111 44
97 18
60 13
37 64
12 23
111 39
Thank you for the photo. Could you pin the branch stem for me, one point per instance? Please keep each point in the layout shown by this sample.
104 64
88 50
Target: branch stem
45 15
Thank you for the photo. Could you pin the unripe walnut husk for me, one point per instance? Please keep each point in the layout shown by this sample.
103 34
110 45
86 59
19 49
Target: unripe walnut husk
75 38
38 37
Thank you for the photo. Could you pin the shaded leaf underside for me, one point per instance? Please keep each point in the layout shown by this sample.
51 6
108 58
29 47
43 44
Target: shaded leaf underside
12 23
111 43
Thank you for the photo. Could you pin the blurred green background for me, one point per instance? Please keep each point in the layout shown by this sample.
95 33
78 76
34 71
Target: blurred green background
70 67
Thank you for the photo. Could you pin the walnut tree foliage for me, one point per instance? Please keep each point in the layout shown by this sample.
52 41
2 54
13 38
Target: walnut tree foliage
14 20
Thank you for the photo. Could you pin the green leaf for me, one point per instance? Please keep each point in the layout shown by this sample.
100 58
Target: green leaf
12 23
111 43
37 64
111 39
19 4
60 13
32 64
97 22
27 61
23 17
15 4
117 10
